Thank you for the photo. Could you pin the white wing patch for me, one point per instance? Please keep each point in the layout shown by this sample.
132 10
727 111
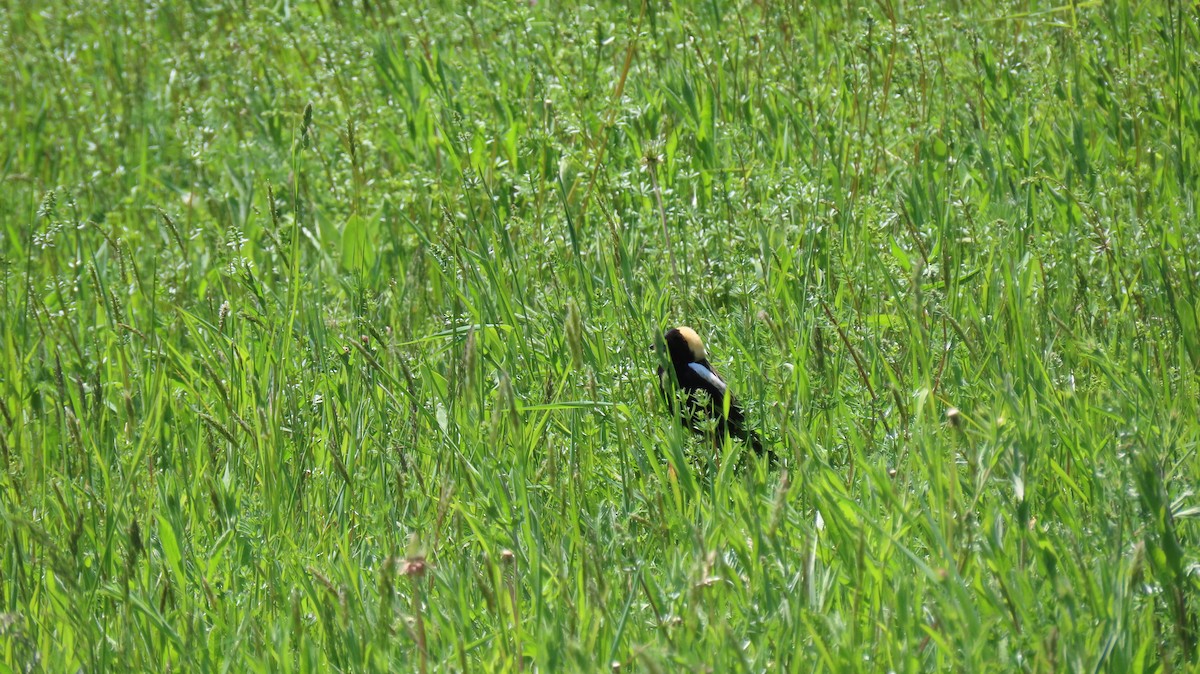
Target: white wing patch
708 376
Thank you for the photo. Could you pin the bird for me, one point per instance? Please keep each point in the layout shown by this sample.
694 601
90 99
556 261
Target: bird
705 390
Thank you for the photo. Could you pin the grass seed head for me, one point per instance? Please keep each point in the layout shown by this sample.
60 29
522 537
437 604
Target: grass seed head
470 358
414 566
135 539
574 335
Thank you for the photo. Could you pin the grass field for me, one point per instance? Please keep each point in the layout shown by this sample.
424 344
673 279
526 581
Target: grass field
326 327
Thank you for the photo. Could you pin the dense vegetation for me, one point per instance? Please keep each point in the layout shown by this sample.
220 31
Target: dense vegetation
326 327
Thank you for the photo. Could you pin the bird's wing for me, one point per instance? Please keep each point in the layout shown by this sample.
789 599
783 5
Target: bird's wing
709 376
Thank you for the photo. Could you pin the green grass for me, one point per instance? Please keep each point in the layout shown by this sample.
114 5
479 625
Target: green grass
325 334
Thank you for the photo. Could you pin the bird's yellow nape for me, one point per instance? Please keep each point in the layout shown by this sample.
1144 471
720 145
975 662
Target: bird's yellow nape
693 341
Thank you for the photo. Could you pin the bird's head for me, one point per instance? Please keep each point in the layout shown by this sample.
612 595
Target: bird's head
684 346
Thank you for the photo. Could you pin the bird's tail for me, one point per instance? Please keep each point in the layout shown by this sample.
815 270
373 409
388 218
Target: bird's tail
756 443
761 450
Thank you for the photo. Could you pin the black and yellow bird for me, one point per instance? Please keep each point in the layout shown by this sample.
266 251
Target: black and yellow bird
704 390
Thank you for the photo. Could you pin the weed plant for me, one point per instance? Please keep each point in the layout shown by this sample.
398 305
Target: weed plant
326 326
